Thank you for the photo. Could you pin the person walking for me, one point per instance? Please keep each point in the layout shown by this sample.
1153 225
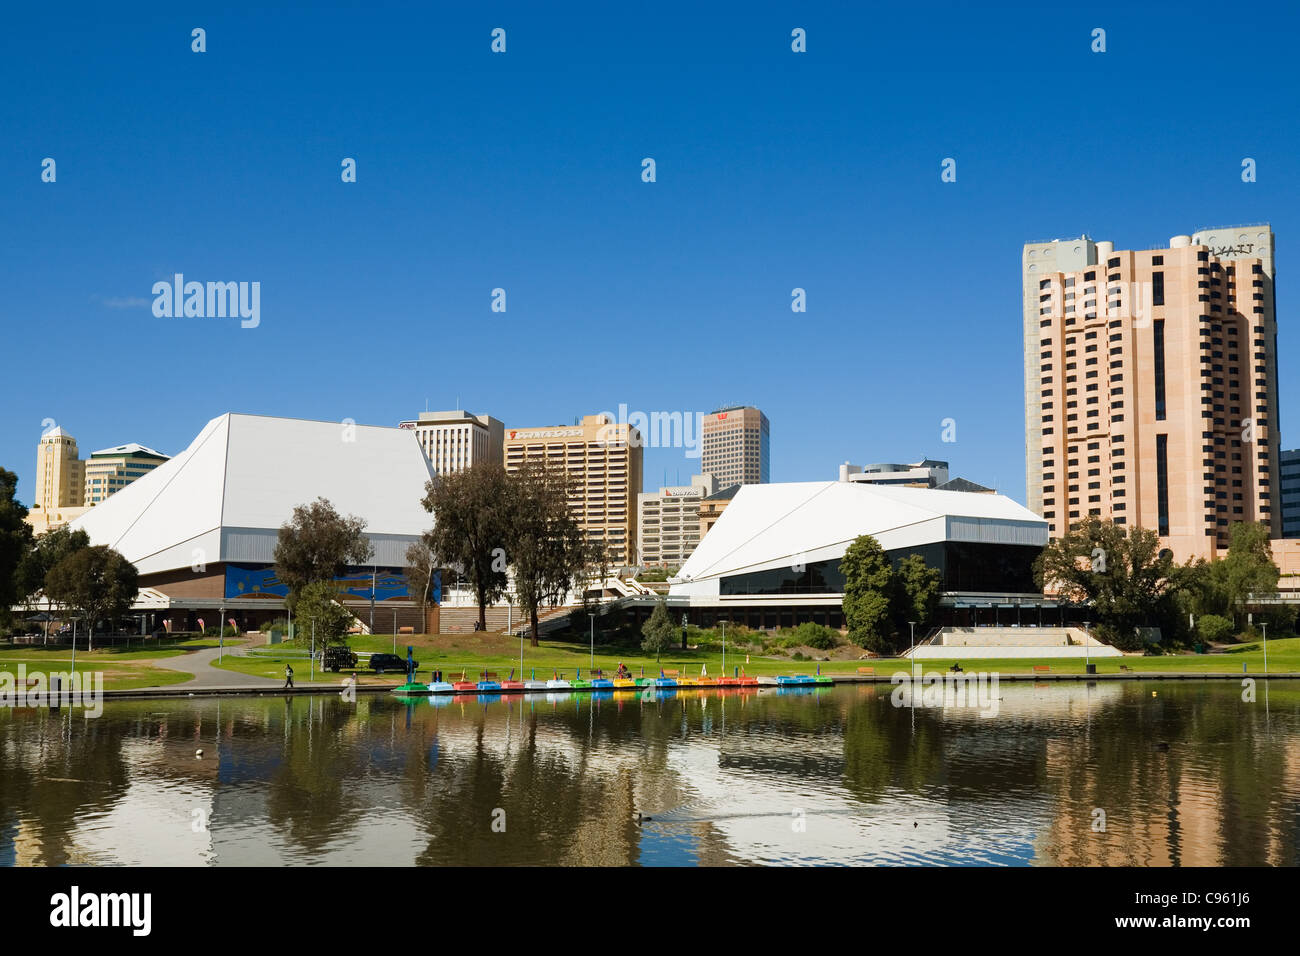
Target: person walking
288 677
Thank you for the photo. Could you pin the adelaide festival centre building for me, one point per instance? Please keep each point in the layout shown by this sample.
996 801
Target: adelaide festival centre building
773 558
202 527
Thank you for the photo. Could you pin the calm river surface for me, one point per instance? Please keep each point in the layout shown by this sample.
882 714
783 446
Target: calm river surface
1185 773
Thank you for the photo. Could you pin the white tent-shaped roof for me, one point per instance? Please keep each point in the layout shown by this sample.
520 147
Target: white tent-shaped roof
225 496
777 525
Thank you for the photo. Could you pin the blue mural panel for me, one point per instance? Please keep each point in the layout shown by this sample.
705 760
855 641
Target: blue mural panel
261 581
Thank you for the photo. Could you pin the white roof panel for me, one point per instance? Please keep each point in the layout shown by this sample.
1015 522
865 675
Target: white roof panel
249 472
766 525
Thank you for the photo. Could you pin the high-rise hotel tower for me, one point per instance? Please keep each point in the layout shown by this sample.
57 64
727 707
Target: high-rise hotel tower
1151 385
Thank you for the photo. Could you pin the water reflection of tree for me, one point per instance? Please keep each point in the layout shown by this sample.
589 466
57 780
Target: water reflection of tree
889 748
315 795
558 807
53 769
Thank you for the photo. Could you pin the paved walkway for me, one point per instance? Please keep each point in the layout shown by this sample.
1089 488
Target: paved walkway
199 663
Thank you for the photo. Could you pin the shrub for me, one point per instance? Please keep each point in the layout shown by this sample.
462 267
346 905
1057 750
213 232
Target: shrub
873 641
1123 637
817 636
1212 628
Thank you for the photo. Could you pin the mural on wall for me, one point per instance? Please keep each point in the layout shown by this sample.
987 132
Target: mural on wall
261 581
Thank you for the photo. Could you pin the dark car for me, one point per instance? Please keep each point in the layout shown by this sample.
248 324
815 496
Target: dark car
337 657
388 662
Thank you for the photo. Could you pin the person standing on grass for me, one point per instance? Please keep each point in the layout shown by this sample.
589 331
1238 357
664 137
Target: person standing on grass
288 677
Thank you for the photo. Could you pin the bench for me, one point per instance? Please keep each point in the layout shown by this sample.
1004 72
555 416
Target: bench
1042 669
406 630
866 671
672 673
1125 667
956 668
488 675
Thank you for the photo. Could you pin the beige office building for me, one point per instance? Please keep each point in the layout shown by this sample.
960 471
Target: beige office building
736 446
452 441
603 462
668 522
1151 385
60 482
109 470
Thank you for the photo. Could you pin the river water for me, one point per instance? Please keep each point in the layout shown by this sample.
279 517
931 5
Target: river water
1122 773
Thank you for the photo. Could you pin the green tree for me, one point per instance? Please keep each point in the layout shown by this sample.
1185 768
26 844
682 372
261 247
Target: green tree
1248 567
47 551
318 544
1212 628
15 542
868 585
472 514
916 591
421 565
320 615
96 581
657 632
546 549
1121 570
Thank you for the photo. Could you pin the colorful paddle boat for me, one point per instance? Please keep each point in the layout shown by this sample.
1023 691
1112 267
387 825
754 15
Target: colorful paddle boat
557 682
512 686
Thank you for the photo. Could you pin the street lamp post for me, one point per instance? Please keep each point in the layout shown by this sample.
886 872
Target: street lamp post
593 641
1264 624
912 654
221 632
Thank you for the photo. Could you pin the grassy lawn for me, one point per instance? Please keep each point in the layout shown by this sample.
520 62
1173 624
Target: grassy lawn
127 676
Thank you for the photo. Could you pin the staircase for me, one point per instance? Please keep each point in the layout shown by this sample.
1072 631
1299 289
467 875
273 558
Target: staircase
407 615
461 620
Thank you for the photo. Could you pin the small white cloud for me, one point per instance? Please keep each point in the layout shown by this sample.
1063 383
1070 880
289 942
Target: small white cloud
123 302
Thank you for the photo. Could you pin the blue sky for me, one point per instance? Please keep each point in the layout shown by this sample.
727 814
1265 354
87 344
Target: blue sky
522 171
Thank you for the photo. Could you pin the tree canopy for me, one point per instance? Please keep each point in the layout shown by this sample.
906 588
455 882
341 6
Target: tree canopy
657 631
15 542
867 592
546 548
1121 570
320 616
318 544
96 581
472 514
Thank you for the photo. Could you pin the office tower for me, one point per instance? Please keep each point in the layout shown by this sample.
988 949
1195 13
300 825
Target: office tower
452 441
735 446
60 482
603 462
109 470
668 521
1151 385
1289 471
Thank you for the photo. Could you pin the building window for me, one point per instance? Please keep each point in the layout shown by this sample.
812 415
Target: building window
1158 330
1162 483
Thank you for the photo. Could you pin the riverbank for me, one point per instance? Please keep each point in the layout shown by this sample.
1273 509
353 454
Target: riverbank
249 669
